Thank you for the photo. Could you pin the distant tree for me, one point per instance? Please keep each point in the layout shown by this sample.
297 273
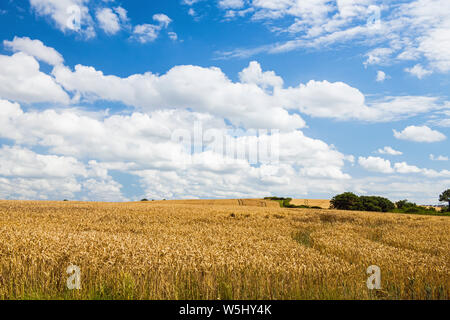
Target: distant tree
379 204
401 204
445 197
346 201
287 202
144 199
405 204
350 201
370 204
385 204
413 209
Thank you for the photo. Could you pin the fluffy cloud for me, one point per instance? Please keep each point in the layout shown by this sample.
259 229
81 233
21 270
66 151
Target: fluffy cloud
137 137
163 19
340 101
247 102
20 162
68 15
254 74
144 146
419 134
327 100
173 36
257 101
149 32
144 140
380 165
375 164
190 2
394 32
399 187
438 158
231 4
25 174
313 12
440 119
381 76
304 164
200 89
40 189
435 46
403 167
122 13
420 29
379 56
390 151
418 71
108 20
34 48
316 23
141 144
21 80
103 190
75 16
146 32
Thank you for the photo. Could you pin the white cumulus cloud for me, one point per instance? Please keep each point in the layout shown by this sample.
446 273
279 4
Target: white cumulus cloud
68 15
108 20
143 145
381 76
21 80
390 151
438 158
419 134
149 32
375 164
231 4
34 48
418 71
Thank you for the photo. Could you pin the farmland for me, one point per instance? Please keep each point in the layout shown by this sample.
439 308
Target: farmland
224 249
324 204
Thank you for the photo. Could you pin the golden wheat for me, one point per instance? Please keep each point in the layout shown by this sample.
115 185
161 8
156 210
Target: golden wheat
183 250
324 204
226 202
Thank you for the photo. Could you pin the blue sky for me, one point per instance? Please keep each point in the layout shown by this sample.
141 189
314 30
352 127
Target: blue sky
95 94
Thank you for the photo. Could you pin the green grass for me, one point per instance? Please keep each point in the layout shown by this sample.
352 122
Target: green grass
286 203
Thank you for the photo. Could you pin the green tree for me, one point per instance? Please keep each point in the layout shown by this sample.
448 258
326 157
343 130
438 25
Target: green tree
445 197
385 204
373 203
346 201
350 201
370 204
402 204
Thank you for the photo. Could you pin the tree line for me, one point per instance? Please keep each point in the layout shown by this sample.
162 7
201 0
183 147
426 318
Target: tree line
351 201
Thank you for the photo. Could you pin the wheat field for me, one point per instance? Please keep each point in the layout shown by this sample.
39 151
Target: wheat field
324 204
225 202
190 250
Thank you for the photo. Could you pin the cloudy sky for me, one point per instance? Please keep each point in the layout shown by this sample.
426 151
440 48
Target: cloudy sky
119 100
